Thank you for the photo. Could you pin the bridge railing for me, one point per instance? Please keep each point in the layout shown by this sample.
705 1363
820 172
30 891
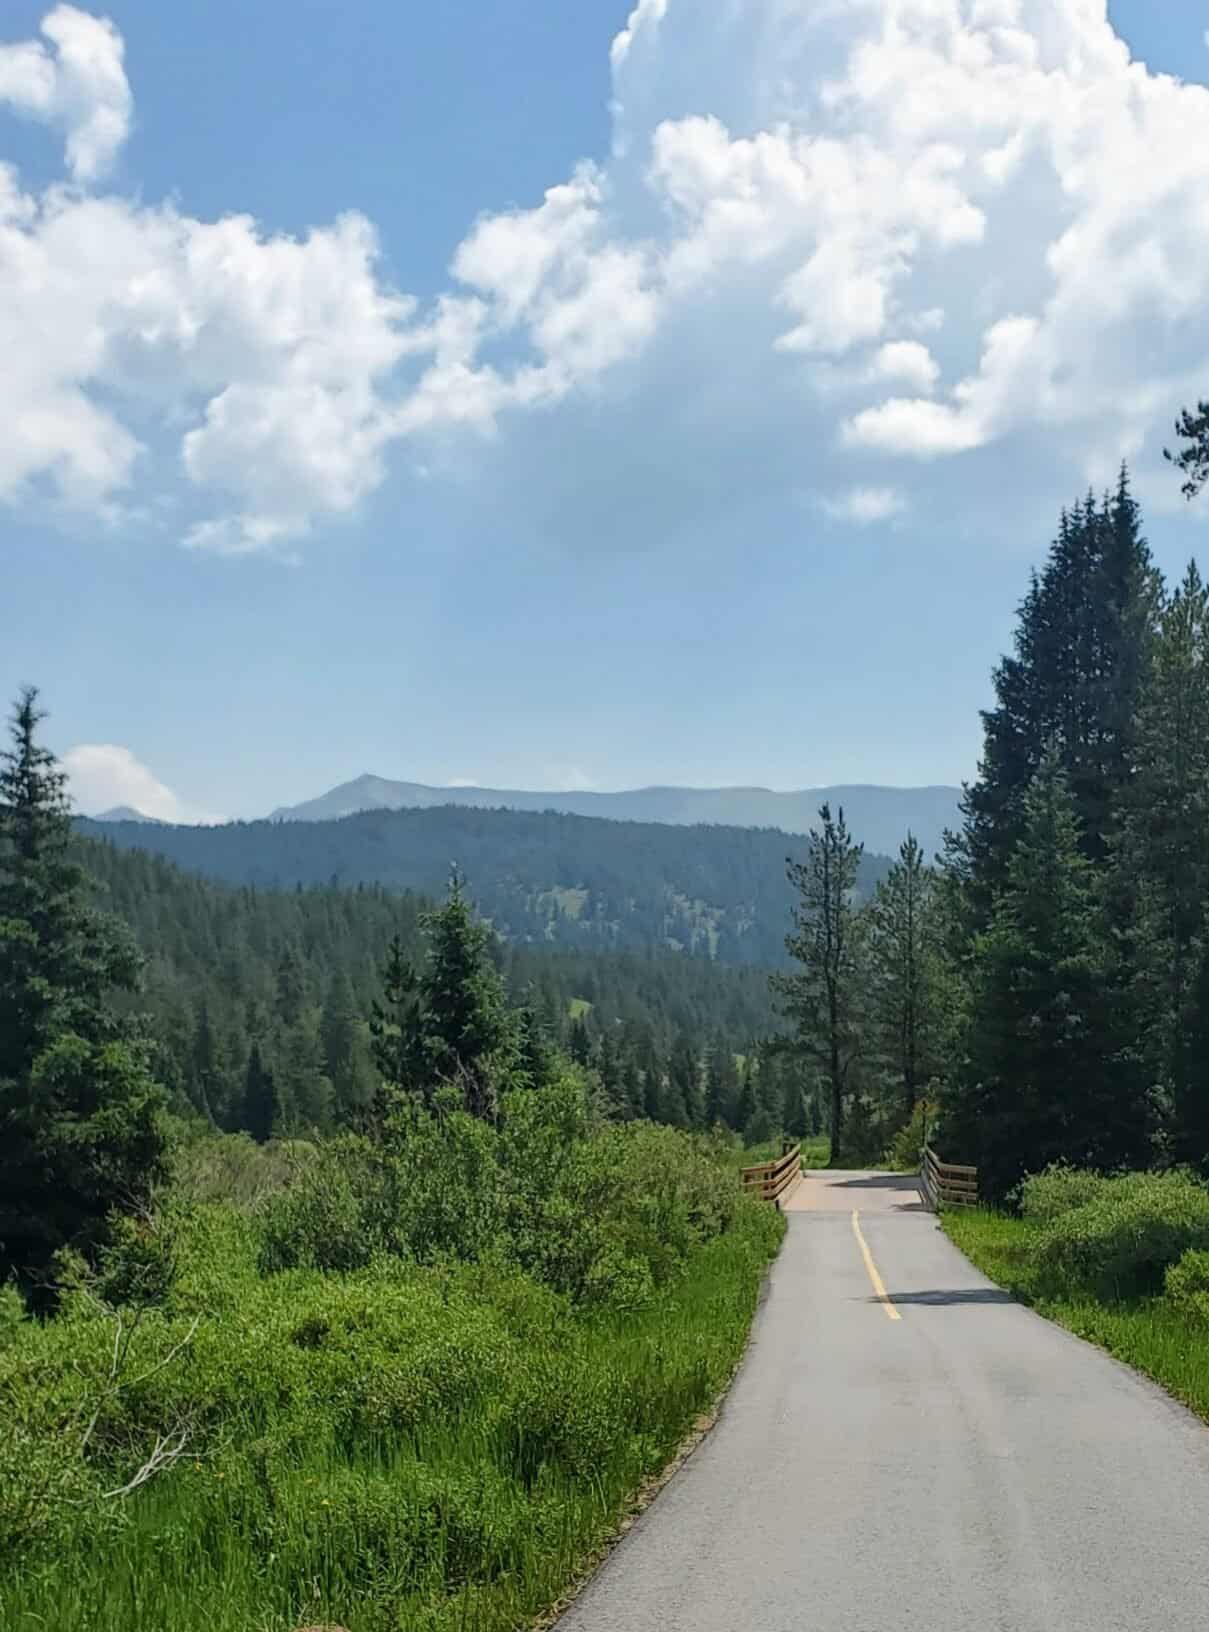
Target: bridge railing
773 1179
946 1184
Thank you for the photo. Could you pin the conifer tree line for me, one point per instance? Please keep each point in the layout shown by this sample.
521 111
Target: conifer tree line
1044 987
260 1004
300 1012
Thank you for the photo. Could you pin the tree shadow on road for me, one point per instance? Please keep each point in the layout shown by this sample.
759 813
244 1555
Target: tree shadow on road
878 1181
940 1296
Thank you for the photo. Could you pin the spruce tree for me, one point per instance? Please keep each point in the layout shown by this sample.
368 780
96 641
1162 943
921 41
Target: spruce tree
80 1128
821 999
259 1099
721 1084
394 1025
684 1106
904 975
1071 688
467 1034
1161 872
345 1061
1042 1083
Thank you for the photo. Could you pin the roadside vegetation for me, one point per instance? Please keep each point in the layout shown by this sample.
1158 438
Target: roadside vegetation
1122 1261
415 1384
406 1375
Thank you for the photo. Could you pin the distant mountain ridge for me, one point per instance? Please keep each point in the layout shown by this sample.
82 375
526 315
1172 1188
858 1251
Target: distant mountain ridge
125 813
879 817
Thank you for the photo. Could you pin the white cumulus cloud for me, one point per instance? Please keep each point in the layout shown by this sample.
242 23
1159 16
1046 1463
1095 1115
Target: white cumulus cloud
80 86
103 776
798 193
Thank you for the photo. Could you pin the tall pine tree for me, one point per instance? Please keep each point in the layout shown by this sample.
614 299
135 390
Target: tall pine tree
80 1130
1042 1080
821 999
1071 689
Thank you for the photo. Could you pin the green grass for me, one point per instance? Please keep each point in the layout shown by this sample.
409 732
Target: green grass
815 1152
446 1527
395 1448
1146 1333
578 1008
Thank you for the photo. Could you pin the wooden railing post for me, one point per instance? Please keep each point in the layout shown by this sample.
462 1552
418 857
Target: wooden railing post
947 1184
771 1180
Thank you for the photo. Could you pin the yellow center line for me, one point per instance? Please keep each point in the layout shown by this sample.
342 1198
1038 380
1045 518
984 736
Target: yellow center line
879 1286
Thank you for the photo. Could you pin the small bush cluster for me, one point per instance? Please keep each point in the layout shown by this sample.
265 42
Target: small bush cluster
1114 1237
1187 1286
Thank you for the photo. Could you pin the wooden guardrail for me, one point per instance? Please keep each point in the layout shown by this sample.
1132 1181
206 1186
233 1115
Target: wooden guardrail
772 1179
945 1184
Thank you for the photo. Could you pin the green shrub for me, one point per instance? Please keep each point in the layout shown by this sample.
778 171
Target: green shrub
1121 1242
1059 1189
1187 1286
902 1153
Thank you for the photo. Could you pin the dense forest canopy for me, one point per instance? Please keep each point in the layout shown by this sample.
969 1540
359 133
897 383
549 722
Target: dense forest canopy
539 878
295 973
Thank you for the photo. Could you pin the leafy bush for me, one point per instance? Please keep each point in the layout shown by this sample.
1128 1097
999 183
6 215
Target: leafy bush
1122 1241
1187 1286
1059 1189
605 1214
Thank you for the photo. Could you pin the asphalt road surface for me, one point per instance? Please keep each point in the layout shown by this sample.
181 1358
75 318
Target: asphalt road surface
937 1458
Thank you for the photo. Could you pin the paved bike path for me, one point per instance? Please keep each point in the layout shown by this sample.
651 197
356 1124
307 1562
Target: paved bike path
943 1458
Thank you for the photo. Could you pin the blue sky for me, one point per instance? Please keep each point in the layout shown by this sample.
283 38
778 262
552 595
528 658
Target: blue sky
344 444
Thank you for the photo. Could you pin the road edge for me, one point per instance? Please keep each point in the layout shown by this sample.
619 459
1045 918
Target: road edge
649 1492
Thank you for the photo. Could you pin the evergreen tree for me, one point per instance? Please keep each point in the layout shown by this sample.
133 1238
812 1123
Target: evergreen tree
467 1035
579 1043
747 1105
684 1106
821 999
1191 1130
1161 873
259 1099
80 1132
793 1106
633 1104
1072 688
537 1061
205 1075
721 1084
394 1024
1041 1083
1193 460
304 1090
608 1066
345 1062
904 985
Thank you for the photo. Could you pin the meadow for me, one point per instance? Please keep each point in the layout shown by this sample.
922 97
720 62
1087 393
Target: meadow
395 1384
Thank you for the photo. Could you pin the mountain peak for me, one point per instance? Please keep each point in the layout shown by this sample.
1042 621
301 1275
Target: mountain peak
879 817
126 813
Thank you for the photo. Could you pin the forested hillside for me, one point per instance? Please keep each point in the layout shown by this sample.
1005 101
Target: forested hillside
540 878
293 975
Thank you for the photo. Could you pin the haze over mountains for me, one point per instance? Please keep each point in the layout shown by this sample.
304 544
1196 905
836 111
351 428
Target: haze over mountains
879 817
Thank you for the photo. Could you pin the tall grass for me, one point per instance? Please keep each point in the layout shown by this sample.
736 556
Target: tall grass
397 1445
1150 1333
